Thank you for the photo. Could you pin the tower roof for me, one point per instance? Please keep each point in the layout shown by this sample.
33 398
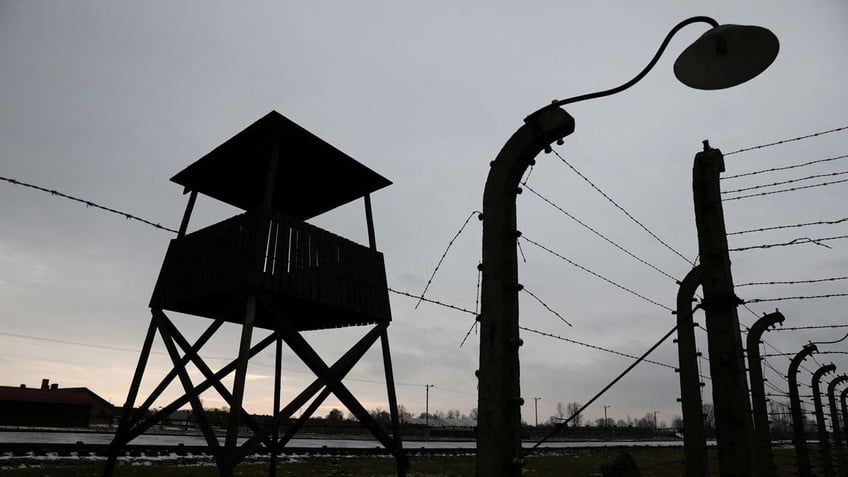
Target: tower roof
312 176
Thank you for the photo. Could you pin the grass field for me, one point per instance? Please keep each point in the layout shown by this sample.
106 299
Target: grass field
653 462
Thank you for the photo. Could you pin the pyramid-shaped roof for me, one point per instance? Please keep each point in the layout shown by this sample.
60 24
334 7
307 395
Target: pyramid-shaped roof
312 176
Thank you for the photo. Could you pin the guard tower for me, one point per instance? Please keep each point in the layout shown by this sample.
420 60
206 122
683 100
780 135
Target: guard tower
267 268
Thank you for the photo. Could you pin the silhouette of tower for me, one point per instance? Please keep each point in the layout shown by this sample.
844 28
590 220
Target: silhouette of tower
267 269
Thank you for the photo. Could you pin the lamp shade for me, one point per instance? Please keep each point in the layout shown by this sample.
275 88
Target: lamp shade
726 56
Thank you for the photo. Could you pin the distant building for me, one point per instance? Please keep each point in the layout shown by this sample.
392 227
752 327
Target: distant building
50 406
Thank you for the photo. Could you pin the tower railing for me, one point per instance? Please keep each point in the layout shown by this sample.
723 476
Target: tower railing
323 280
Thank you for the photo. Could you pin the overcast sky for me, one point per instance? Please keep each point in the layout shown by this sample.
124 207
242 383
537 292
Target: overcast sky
106 101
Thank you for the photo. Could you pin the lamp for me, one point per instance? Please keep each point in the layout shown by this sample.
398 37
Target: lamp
723 57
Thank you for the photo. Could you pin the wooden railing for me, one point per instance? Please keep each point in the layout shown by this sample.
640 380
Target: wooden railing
317 279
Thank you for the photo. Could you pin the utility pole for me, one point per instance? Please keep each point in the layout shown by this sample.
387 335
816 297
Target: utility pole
734 427
655 420
536 405
799 435
605 414
762 446
824 442
427 405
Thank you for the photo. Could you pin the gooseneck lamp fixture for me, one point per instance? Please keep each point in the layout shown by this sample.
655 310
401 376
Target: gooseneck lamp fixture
724 56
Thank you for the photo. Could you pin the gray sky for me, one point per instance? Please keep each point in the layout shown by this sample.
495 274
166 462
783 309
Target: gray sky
106 101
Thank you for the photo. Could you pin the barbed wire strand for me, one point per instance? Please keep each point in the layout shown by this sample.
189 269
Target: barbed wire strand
434 302
784 168
546 305
784 141
776 388
560 425
781 191
575 264
614 203
591 346
790 181
797 241
809 297
88 203
792 282
791 226
476 307
813 327
467 334
450 244
599 234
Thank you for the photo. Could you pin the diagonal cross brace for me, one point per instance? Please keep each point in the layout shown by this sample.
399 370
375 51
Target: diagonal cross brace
193 396
200 388
342 366
308 355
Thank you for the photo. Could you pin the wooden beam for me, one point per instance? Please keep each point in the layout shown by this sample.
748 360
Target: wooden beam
369 221
187 214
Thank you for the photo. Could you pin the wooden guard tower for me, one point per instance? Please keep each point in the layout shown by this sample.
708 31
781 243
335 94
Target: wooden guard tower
267 268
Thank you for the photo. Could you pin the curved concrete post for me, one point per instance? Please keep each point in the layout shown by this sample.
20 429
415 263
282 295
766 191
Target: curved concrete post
838 444
694 439
799 437
499 394
843 397
762 445
824 441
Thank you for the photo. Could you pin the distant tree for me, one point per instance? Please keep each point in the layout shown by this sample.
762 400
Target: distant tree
571 410
780 415
709 416
646 421
423 415
381 416
335 415
454 414
609 422
473 414
622 423
677 423
403 413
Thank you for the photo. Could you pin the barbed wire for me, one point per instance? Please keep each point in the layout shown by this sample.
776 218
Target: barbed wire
776 388
790 181
779 227
88 203
599 234
476 305
809 297
546 305
814 327
598 348
769 365
784 141
435 302
781 353
792 282
781 191
784 168
450 244
797 241
575 264
614 203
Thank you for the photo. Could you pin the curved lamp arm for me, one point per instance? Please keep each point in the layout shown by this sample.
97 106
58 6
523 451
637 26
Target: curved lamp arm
638 77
